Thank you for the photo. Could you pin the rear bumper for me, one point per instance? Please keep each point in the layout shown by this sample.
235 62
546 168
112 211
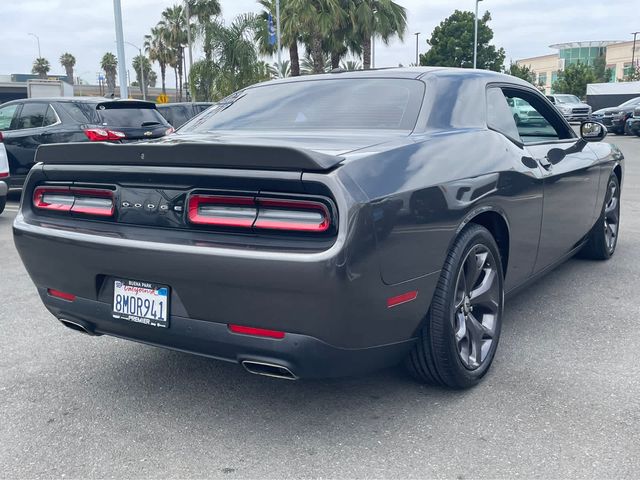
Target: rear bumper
303 355
332 305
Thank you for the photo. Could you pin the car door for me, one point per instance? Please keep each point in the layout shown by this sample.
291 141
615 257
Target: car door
570 186
28 132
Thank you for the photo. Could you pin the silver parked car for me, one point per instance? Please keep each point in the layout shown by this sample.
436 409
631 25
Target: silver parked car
571 107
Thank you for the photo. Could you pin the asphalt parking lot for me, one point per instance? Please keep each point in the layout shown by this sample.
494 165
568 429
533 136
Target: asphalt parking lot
562 399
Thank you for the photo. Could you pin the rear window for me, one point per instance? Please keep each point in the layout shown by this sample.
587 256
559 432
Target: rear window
130 117
345 104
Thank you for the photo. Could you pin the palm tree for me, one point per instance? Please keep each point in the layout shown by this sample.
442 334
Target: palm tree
158 51
68 61
109 64
351 65
174 26
383 18
289 31
142 62
308 66
41 67
204 12
280 71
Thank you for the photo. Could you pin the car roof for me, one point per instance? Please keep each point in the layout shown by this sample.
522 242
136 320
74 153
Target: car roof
408 73
76 100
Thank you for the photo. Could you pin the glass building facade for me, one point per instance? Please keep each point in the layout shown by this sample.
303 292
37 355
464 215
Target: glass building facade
584 55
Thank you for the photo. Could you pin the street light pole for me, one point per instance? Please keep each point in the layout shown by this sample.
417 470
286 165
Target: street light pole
38 40
475 38
142 84
417 34
122 62
633 51
278 34
186 9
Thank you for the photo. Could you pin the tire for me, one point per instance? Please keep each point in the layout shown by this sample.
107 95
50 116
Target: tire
445 353
3 203
603 237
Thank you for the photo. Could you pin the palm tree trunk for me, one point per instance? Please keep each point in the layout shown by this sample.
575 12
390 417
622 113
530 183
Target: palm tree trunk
366 53
175 72
294 59
163 72
335 60
317 54
180 73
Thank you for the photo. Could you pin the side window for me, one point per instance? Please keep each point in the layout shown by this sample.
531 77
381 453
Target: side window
532 126
32 115
499 114
7 115
50 117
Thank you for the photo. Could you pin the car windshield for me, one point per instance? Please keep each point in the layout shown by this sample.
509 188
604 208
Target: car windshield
130 117
629 103
567 99
351 104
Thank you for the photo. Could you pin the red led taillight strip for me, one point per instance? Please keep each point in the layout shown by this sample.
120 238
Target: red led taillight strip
259 213
256 332
87 201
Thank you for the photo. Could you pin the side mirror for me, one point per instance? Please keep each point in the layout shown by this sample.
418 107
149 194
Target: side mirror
592 131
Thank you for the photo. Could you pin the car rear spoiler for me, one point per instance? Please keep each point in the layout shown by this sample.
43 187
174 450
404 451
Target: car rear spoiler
205 155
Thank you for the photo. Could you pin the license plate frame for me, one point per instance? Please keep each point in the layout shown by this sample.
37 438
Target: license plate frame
142 302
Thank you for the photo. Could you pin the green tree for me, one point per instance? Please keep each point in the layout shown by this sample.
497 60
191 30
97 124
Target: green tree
174 28
382 18
601 73
633 75
41 67
68 61
202 78
142 64
351 65
452 43
574 79
158 51
205 12
289 31
109 63
522 71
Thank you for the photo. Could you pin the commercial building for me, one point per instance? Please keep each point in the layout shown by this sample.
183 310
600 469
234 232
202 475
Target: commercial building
618 57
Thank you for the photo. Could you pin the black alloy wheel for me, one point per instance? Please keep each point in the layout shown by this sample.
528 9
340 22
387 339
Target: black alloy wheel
459 335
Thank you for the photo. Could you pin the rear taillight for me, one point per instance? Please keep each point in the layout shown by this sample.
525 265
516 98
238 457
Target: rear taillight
69 297
87 201
259 213
103 135
169 131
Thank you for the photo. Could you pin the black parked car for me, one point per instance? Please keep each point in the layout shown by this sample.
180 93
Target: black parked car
325 225
4 175
29 123
615 118
633 123
177 114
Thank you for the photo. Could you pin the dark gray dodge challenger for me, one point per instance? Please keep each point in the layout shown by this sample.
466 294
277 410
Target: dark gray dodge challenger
324 225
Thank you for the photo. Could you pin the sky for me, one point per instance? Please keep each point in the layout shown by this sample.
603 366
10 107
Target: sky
85 28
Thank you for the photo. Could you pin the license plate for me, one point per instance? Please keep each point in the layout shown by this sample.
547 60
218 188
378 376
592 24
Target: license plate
141 302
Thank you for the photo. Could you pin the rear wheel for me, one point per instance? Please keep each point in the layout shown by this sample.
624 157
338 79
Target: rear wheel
460 333
603 238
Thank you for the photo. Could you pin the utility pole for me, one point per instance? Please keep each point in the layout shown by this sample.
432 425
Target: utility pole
278 34
373 51
122 65
417 34
475 38
633 50
186 9
38 40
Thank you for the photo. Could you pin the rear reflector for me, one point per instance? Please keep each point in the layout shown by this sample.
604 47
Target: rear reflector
259 213
400 299
257 332
103 135
58 294
4 174
88 201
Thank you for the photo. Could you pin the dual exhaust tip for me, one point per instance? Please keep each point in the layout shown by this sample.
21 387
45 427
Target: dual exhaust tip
255 367
268 370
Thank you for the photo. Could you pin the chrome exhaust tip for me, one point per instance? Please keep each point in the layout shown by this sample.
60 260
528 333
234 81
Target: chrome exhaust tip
268 370
77 326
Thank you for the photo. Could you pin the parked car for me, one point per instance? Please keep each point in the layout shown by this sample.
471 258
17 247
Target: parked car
28 123
615 118
177 114
523 113
570 106
4 175
633 123
305 241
